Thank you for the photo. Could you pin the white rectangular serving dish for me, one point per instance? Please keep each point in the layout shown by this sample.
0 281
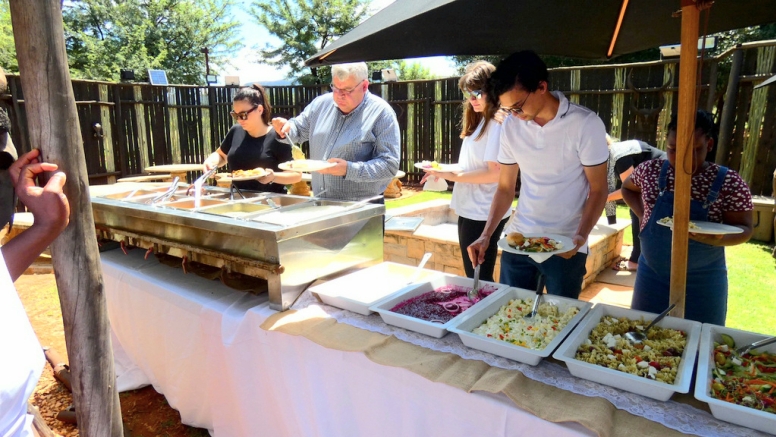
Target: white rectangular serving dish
625 381
359 290
438 330
475 317
729 412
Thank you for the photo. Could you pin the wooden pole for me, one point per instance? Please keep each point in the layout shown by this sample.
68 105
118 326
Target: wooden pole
688 70
54 129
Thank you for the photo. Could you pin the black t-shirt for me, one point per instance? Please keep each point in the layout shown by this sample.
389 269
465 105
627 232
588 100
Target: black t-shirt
647 153
265 152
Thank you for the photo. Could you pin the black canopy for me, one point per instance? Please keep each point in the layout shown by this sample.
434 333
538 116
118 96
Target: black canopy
581 29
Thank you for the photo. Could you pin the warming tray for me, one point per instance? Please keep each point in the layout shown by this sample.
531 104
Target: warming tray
288 254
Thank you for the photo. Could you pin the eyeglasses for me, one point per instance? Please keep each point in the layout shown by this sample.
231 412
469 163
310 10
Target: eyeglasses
517 108
242 115
343 91
468 94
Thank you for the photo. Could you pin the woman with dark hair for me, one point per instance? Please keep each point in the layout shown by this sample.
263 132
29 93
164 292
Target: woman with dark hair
253 143
477 181
717 195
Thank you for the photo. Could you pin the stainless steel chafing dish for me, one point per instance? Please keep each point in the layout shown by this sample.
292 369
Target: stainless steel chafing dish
289 241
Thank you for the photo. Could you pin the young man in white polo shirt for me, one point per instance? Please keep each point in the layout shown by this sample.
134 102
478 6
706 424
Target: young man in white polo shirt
559 149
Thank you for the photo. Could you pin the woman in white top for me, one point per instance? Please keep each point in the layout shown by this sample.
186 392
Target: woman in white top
476 182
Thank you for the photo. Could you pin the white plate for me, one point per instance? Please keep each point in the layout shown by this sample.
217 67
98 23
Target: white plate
442 167
625 381
359 290
733 413
709 228
306 165
565 241
475 317
437 330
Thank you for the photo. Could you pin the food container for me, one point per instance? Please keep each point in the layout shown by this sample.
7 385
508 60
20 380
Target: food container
729 412
625 381
432 329
475 317
361 289
289 255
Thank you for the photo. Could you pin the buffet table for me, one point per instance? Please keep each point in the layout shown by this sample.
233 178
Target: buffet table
232 365
200 344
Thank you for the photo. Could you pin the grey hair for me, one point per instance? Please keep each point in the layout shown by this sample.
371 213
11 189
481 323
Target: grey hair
355 69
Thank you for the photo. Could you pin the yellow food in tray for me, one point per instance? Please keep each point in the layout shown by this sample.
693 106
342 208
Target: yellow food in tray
255 172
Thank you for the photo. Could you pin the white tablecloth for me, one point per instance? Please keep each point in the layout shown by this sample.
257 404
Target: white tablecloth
200 344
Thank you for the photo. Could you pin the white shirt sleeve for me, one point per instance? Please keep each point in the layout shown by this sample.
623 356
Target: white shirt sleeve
592 142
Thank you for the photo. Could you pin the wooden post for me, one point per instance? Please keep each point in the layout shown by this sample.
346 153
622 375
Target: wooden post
54 129
729 110
713 73
685 134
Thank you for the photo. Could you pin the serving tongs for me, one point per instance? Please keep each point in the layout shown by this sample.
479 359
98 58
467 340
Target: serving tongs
201 180
167 194
745 349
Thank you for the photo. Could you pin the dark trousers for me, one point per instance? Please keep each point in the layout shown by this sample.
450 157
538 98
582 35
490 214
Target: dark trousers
470 230
564 276
635 225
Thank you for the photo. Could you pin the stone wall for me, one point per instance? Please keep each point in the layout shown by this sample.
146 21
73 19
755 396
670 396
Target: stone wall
439 235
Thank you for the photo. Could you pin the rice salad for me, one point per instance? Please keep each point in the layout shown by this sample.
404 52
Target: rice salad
509 325
656 358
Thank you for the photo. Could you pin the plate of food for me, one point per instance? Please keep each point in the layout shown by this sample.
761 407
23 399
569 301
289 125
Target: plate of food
306 165
530 244
435 166
701 227
247 175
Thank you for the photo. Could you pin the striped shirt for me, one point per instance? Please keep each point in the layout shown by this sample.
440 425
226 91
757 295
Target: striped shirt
367 137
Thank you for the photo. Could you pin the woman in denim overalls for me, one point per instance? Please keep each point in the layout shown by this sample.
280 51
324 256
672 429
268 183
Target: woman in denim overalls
717 194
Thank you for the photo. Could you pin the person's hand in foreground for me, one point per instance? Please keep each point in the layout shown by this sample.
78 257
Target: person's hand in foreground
49 207
48 204
281 126
340 168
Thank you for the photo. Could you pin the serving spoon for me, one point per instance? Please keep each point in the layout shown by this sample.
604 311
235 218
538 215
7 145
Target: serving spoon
636 337
532 314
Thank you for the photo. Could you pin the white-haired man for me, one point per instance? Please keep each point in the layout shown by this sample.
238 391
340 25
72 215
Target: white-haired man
352 128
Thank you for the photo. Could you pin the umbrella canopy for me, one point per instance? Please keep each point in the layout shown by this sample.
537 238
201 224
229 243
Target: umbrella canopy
581 29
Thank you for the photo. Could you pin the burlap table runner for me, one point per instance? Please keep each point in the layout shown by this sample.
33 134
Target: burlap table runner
544 401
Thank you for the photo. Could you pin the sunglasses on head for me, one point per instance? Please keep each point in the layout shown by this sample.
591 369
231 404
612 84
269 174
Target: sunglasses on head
242 115
468 94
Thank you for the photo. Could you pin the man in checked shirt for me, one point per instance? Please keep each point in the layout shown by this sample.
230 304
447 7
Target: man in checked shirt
352 128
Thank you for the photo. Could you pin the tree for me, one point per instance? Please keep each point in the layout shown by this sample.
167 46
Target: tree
105 36
305 27
7 47
412 71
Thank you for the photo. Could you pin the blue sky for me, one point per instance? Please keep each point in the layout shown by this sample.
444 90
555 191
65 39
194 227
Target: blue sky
255 37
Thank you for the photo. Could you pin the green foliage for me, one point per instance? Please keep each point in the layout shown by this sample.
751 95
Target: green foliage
305 27
412 71
104 36
7 47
